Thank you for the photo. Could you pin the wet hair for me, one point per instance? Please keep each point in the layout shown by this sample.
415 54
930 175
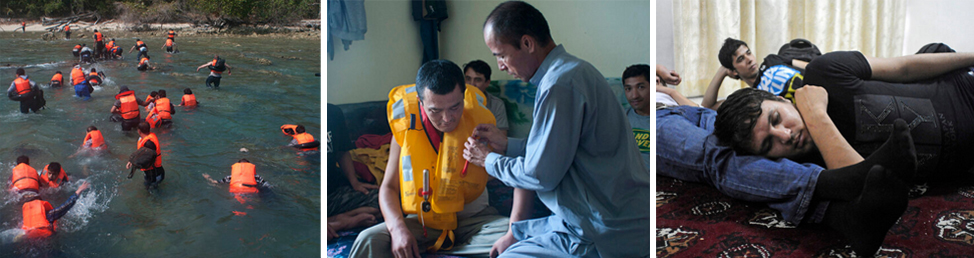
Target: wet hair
137 39
23 159
187 91
440 76
480 67
92 69
58 72
153 93
298 129
737 115
726 54
96 30
84 45
144 127
54 168
243 160
92 128
637 70
162 93
513 19
20 71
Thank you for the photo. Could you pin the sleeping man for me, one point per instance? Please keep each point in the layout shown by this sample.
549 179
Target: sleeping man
865 106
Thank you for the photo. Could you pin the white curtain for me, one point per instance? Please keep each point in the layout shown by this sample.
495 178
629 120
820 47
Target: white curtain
874 27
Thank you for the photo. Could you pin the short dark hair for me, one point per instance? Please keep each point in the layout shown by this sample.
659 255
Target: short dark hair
20 71
92 128
23 159
92 69
162 93
58 72
637 70
187 91
54 168
726 54
153 93
299 129
478 66
737 115
440 76
243 160
144 127
513 19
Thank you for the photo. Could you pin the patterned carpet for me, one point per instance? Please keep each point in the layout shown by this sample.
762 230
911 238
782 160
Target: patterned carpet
695 220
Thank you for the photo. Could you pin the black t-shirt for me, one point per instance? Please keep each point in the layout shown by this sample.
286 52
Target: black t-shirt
779 77
940 111
338 143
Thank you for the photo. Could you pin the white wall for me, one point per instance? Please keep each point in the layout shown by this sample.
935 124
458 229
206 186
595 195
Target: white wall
946 21
664 33
609 34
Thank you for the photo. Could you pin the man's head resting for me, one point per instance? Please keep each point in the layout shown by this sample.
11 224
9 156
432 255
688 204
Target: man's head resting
757 122
736 56
440 87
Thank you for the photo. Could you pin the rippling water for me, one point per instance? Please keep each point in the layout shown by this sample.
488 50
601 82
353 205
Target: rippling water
186 216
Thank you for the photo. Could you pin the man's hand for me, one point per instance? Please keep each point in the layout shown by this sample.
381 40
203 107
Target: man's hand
725 72
404 244
128 165
363 187
502 244
811 98
671 77
493 135
331 232
82 188
475 151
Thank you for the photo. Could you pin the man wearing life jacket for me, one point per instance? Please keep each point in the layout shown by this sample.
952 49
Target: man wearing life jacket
86 54
23 26
426 176
40 217
67 31
24 177
143 49
170 46
76 51
189 99
53 175
126 108
93 143
172 35
57 80
94 78
217 66
243 178
144 64
160 111
99 44
302 140
23 90
109 49
155 173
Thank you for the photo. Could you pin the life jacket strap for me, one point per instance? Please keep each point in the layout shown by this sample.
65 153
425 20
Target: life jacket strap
439 245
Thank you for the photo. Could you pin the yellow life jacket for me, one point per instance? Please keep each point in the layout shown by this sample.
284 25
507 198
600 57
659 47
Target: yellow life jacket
449 189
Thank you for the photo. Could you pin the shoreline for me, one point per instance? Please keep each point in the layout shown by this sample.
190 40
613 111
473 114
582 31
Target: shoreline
83 29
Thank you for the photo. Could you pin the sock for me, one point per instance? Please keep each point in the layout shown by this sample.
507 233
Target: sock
898 153
865 220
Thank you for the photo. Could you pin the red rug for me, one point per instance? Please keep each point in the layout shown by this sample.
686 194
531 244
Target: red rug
695 220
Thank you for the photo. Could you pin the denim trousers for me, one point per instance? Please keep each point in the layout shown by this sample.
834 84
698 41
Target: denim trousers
686 149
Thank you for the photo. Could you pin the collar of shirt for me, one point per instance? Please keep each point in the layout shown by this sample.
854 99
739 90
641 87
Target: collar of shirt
543 68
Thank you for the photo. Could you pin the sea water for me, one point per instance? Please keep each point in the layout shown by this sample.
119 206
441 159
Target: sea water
187 216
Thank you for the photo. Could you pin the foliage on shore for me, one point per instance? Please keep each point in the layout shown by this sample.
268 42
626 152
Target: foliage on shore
216 13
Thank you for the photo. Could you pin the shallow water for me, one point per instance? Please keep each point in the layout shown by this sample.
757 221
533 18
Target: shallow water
186 216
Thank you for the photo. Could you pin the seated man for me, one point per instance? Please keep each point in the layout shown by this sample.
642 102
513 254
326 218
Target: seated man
444 214
477 73
778 75
636 84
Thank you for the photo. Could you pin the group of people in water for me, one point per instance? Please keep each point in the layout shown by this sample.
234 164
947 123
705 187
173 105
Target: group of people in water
39 216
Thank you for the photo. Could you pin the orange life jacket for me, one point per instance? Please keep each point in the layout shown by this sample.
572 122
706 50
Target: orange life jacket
25 177
67 28
163 108
213 64
189 100
110 45
23 85
169 42
35 219
93 81
77 47
303 138
152 137
58 180
172 34
77 76
129 106
242 178
96 139
142 62
284 129
139 44
58 77
98 37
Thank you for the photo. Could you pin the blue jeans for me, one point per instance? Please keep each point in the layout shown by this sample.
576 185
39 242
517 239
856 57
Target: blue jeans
81 90
686 149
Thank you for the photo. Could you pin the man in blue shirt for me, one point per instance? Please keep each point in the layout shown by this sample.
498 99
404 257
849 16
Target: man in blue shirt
580 156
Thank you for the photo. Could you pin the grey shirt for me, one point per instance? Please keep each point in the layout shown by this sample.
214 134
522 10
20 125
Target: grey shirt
496 106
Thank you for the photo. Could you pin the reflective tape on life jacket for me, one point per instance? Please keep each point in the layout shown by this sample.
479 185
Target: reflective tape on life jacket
77 76
152 137
23 85
25 178
163 108
36 224
98 36
449 189
58 180
96 139
242 178
189 100
129 105
58 78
